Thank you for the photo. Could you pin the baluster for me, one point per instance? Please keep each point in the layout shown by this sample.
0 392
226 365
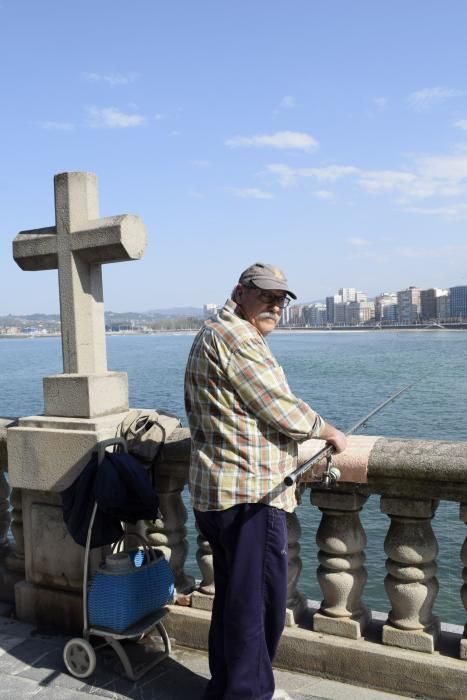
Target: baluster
169 533
296 601
341 574
4 508
203 597
15 559
411 583
463 642
204 559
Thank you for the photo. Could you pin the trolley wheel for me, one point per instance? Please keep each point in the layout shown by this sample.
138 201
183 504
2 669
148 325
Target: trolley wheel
79 657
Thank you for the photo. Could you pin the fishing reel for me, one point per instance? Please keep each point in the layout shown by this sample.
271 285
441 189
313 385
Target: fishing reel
332 474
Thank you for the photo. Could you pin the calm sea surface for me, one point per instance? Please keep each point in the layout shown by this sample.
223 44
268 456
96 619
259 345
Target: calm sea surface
343 375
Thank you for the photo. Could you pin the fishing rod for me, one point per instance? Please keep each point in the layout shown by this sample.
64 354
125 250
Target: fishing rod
331 475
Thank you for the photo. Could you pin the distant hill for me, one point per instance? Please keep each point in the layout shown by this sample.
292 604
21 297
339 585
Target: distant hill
111 317
177 311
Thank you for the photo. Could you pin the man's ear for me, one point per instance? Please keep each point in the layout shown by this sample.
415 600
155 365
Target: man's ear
237 294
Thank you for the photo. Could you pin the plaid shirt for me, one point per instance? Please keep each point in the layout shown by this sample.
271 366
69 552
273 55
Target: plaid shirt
244 420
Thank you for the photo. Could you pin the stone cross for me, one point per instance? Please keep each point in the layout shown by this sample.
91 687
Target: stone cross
78 245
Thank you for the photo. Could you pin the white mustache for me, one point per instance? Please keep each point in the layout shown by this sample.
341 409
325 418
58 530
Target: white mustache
264 315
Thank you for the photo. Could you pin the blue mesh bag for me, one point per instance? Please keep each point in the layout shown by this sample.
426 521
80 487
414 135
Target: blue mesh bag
120 596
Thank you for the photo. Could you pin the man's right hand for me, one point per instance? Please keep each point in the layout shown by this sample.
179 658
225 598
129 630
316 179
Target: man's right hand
334 437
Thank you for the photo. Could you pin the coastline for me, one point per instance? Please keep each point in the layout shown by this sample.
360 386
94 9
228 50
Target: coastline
459 327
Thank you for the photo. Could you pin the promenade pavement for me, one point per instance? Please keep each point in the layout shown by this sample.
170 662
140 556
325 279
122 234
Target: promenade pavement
31 666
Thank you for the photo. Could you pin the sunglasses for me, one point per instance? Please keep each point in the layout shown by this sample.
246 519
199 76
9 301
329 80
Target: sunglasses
271 298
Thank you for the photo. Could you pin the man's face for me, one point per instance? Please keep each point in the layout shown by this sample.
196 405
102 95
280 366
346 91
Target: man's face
260 307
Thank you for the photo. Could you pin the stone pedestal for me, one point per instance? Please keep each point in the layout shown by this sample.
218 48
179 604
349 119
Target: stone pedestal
46 454
52 591
202 601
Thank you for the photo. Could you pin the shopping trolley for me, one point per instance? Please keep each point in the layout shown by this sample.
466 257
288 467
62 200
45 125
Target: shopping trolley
79 654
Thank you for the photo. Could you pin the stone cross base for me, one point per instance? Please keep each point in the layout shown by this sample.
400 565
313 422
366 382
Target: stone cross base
85 395
48 607
47 453
8 578
418 640
54 565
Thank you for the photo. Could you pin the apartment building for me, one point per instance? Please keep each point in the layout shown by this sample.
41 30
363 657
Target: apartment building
386 307
331 305
458 302
408 301
428 303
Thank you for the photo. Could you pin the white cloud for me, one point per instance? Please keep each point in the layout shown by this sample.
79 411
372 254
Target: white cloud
249 193
330 173
442 176
281 139
455 211
359 242
367 255
384 180
288 176
409 186
426 177
461 124
423 99
452 168
288 102
159 116
200 163
57 126
380 103
111 118
112 79
443 251
323 194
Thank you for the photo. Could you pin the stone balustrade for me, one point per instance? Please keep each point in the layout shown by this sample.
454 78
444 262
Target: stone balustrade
410 476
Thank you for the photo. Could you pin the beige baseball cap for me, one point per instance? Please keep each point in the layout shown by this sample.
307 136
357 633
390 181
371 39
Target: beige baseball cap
265 276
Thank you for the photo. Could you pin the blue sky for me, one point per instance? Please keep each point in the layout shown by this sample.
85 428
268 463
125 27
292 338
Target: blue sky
329 138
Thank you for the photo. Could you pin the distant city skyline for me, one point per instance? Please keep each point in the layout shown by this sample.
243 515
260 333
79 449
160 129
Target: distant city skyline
327 138
205 307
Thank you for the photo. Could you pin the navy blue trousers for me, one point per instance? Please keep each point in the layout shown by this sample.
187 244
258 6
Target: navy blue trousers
249 547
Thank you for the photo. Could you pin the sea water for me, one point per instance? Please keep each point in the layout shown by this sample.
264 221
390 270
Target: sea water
343 375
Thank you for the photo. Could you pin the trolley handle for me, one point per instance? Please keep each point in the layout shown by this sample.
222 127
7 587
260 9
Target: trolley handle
101 446
100 449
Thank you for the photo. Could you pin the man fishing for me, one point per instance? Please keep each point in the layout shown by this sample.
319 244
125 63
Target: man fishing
245 424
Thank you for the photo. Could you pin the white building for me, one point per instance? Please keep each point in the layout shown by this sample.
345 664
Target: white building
386 307
409 302
210 310
315 315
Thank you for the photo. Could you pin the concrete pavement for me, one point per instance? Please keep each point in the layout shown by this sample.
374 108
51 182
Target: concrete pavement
31 666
